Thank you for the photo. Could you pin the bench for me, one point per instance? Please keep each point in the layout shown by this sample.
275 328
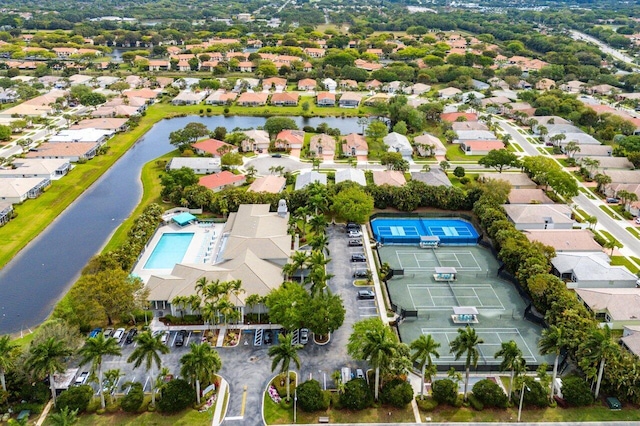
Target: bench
323 419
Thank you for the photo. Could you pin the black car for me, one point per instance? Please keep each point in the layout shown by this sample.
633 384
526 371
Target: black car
268 337
180 337
355 242
360 273
358 257
352 226
276 155
131 335
366 294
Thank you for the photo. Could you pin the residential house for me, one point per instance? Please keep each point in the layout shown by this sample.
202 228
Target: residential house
565 240
199 165
307 178
449 92
330 84
72 151
187 97
290 139
367 66
591 270
6 212
515 179
351 175
350 100
469 126
417 89
322 145
98 136
159 65
219 181
213 147
252 99
221 97
51 169
18 190
429 145
271 184
539 216
314 52
573 86
621 180
602 89
110 124
80 79
348 84
40 106
608 163
528 196
285 99
8 96
388 177
378 97
398 143
456 116
545 84
595 151
631 339
256 140
373 85
434 177
274 82
479 147
355 144
307 84
326 99
617 307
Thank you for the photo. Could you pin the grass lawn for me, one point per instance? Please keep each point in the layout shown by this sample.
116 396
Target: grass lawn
610 212
454 153
623 261
633 231
277 414
187 418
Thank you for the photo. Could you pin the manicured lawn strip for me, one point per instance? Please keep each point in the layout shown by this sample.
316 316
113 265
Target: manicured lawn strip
582 213
610 237
150 177
623 261
610 212
186 418
633 231
274 413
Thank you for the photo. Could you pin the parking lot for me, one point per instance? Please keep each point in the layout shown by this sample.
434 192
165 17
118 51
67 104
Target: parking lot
247 367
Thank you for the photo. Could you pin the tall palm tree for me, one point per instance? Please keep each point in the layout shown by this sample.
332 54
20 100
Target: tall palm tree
148 350
64 417
552 342
512 360
424 347
283 354
200 364
47 359
599 346
320 242
318 278
318 223
7 355
378 349
317 258
466 343
93 351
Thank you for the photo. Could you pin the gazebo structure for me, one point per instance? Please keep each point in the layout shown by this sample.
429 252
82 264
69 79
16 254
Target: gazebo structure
183 219
445 273
465 315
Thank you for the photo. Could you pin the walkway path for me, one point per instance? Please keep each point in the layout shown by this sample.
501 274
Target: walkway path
217 414
45 413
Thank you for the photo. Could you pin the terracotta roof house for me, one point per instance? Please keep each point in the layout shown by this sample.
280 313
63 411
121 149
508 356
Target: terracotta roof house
213 147
539 216
255 140
367 66
71 151
285 99
565 240
290 139
350 99
545 84
322 144
428 145
528 196
221 97
307 84
275 82
271 184
352 175
591 270
326 99
479 147
348 84
354 144
373 85
141 93
454 116
219 181
252 99
314 52
618 307
388 177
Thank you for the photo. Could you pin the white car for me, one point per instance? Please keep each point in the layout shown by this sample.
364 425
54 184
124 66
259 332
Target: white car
637 220
118 334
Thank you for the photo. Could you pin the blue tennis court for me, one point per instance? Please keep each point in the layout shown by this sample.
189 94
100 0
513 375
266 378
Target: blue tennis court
409 230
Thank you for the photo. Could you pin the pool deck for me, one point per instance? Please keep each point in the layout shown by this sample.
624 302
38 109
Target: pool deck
204 246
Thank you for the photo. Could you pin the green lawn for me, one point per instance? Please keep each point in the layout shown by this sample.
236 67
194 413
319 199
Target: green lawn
454 153
187 418
633 231
610 212
623 261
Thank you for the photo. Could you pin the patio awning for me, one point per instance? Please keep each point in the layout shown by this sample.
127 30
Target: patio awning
465 310
445 270
183 218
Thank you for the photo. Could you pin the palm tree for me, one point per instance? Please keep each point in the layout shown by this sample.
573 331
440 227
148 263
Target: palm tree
111 378
7 355
320 242
466 343
552 342
316 258
47 359
283 354
599 346
378 349
148 350
318 223
299 259
64 417
424 347
512 360
200 364
93 351
180 302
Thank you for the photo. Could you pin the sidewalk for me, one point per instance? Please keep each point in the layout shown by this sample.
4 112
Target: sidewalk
218 415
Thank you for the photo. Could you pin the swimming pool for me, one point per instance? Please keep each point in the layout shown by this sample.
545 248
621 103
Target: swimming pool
409 230
170 250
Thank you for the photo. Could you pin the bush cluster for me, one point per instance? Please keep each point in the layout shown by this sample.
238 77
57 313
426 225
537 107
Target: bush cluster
396 392
311 397
490 394
177 395
75 398
445 391
357 395
133 400
576 391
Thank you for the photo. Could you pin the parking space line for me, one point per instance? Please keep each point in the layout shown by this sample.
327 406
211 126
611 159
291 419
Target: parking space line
244 401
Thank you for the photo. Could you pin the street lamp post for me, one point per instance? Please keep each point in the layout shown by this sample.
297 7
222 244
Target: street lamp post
295 405
524 385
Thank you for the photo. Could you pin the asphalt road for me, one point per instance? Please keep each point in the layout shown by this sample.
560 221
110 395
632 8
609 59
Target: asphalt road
576 35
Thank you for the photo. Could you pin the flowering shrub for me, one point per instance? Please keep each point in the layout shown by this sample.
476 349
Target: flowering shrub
273 393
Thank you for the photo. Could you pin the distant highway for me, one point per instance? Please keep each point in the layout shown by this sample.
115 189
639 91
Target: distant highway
577 35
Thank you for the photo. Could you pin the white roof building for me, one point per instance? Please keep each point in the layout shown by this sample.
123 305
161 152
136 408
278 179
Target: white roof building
398 143
200 165
351 174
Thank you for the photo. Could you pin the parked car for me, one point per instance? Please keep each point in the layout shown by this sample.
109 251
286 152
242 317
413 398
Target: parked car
119 334
108 332
276 155
354 234
613 200
637 220
268 337
360 273
352 226
304 336
95 332
180 337
82 378
355 242
366 294
131 335
165 337
358 257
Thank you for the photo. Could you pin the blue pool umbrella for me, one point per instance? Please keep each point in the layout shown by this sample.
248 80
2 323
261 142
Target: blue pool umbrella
183 218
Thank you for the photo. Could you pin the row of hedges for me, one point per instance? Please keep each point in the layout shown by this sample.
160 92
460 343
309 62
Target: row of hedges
530 263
